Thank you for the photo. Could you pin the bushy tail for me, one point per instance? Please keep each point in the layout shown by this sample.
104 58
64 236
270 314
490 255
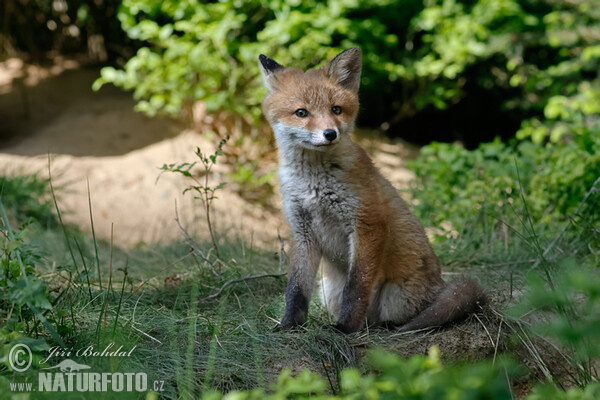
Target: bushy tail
458 299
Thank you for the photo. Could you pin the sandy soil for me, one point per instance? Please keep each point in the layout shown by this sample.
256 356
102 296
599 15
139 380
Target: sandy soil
96 137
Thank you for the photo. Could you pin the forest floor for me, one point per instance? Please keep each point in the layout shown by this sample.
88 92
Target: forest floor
52 120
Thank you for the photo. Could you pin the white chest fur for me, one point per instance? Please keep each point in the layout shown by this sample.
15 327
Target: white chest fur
320 206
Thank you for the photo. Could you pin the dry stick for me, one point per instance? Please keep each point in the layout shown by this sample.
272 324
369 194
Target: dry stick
145 334
497 341
245 278
526 341
486 329
132 322
568 223
207 202
193 245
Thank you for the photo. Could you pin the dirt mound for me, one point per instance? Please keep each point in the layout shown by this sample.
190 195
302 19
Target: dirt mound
96 137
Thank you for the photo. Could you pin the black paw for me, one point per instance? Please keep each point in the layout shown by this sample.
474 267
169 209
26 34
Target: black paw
342 328
292 327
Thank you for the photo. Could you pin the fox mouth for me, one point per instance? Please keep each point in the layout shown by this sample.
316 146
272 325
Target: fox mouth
317 145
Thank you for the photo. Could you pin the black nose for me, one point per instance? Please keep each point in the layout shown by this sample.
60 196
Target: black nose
330 134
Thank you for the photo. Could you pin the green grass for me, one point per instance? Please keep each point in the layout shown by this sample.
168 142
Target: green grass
191 342
158 299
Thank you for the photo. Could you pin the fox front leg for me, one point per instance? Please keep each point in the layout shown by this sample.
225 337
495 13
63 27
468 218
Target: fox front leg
304 262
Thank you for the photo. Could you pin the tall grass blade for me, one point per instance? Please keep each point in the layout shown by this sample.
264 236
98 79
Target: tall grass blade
94 236
121 296
87 273
62 225
188 378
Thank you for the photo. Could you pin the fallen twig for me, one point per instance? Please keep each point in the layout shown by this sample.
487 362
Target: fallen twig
145 334
245 278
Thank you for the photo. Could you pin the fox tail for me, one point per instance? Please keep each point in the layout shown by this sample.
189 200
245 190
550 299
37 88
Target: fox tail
459 298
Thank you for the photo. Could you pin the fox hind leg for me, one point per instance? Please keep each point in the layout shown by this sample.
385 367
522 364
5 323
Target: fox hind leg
390 305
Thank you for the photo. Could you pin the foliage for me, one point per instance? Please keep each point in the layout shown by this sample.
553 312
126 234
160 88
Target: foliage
458 185
208 51
567 85
419 377
24 295
26 197
520 58
549 391
251 185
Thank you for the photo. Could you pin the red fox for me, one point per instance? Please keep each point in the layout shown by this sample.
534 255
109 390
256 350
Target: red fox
377 264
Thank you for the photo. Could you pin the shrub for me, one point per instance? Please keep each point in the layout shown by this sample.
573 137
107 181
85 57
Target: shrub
24 294
27 197
458 185
419 377
208 51
535 57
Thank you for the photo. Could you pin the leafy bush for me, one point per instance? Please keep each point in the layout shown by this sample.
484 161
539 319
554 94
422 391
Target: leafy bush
208 51
535 57
419 377
549 391
23 293
26 197
566 86
458 185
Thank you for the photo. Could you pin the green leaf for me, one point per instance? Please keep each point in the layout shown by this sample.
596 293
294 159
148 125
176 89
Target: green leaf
30 290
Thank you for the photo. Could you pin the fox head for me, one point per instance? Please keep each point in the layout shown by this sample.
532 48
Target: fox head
316 109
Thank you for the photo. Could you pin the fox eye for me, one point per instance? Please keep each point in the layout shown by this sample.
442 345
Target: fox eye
337 110
301 113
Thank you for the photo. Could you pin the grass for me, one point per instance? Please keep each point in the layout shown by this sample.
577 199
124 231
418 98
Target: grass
191 336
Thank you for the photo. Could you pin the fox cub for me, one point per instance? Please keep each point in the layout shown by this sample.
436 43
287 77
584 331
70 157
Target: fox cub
378 266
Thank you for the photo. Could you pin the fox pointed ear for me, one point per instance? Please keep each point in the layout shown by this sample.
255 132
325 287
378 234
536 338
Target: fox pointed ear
269 68
345 69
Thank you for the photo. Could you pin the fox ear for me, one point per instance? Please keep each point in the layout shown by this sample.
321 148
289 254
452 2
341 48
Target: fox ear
268 68
345 69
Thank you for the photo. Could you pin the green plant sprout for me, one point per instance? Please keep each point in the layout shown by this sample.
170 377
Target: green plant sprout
203 191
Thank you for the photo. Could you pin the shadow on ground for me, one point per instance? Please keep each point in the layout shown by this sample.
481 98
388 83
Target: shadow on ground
59 113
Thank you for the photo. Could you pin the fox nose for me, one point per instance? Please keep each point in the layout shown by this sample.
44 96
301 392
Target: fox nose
330 134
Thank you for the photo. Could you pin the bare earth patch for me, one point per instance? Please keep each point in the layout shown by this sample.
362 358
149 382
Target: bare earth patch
98 138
